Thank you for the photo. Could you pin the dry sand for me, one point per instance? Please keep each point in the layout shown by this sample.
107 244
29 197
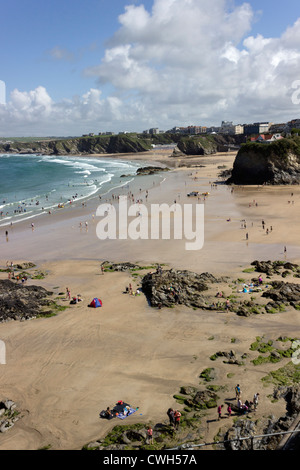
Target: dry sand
62 371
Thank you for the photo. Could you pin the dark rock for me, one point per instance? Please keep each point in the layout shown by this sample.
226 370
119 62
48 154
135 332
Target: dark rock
24 266
168 288
8 415
261 163
284 292
267 267
241 429
133 435
205 399
150 170
120 266
20 302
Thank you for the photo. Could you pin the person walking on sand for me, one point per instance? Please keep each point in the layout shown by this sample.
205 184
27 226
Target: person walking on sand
237 391
220 412
255 400
229 411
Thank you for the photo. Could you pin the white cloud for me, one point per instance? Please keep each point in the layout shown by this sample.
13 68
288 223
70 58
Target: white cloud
183 62
59 53
35 113
190 60
2 92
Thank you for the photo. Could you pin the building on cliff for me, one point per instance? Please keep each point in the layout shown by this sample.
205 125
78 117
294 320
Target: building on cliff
257 128
266 138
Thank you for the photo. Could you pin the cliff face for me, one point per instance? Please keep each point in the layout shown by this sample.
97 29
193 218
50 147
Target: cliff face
276 163
80 146
194 145
208 144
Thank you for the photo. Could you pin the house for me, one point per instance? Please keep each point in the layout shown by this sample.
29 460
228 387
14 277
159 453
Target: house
266 138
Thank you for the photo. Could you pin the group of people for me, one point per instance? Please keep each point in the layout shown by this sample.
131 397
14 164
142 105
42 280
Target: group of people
13 276
241 407
130 291
73 300
248 405
174 417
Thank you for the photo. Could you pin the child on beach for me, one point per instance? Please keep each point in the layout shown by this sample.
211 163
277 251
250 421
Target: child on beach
68 293
220 412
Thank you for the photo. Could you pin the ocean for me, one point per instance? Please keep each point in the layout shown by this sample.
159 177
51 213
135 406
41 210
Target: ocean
33 184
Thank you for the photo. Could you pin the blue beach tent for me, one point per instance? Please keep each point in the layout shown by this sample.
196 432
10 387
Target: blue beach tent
96 303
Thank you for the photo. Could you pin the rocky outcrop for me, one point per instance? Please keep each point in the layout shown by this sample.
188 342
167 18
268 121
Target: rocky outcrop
197 146
121 267
170 287
8 415
274 267
150 170
20 302
277 163
235 436
284 293
207 144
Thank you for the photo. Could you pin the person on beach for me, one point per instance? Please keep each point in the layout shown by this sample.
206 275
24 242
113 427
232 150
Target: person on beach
229 410
255 400
177 416
108 413
170 414
220 412
237 391
150 435
68 293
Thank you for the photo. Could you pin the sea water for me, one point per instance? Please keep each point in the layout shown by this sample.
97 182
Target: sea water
33 184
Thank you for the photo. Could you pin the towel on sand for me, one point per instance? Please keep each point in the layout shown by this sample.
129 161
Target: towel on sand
123 416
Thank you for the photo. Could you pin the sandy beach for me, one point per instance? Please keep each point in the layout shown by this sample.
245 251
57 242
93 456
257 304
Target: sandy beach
62 371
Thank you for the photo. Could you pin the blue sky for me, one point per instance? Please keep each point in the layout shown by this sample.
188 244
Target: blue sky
71 66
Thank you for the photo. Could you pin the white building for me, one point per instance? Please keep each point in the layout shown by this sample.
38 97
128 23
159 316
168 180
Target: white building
2 92
227 127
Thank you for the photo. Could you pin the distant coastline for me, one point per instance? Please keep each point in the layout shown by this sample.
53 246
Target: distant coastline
124 144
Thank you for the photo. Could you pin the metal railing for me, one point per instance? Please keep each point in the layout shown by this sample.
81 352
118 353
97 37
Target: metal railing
238 439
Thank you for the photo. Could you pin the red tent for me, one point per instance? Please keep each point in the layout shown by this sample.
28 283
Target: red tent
96 303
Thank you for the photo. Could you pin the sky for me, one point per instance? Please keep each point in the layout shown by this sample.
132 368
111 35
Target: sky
72 67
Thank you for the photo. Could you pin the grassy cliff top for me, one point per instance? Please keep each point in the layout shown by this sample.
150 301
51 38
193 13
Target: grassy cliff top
280 148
